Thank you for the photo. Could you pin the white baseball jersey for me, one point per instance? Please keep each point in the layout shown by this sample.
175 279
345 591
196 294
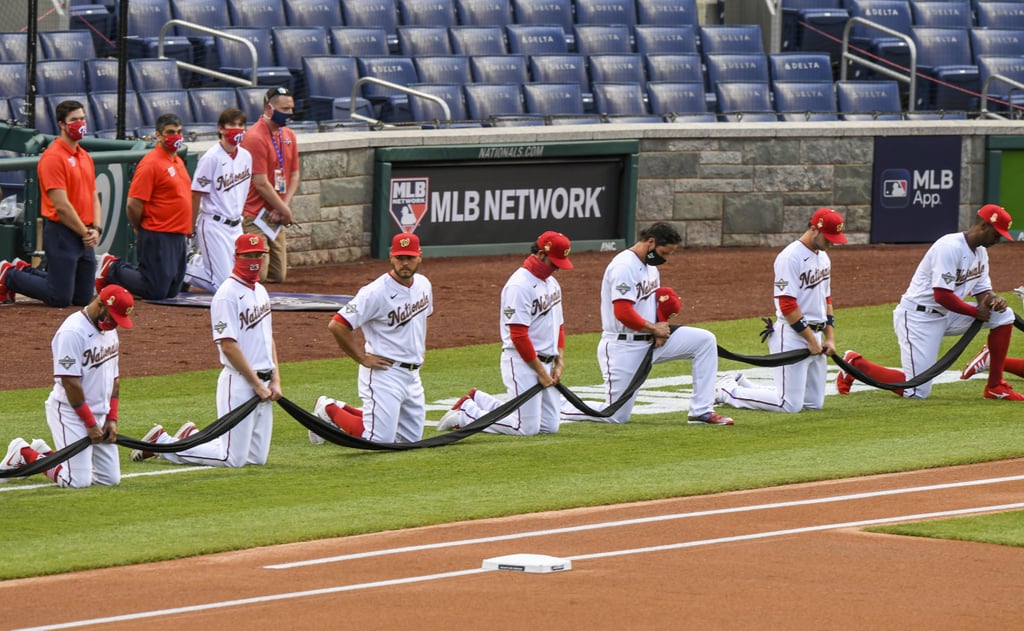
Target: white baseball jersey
534 303
224 182
81 350
949 264
393 317
628 278
805 275
243 314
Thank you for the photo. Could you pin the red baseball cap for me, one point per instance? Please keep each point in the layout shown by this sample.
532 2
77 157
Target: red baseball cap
246 243
830 224
556 246
998 217
405 244
669 303
120 303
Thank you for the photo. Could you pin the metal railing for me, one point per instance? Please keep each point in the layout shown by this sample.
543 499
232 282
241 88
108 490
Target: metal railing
394 86
848 56
253 81
1016 85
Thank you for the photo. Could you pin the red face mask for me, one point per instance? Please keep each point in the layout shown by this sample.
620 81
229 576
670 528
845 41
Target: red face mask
77 130
172 142
247 270
233 135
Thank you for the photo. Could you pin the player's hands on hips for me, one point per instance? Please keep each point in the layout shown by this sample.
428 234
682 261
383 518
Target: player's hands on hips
110 431
376 361
95 434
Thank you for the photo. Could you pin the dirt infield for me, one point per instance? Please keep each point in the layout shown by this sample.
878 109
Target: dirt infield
715 284
791 557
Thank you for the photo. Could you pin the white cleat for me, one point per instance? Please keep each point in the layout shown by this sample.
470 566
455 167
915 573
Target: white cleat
450 421
185 430
13 459
40 446
151 436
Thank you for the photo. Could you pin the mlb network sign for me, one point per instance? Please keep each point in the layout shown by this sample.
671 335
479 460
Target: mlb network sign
916 195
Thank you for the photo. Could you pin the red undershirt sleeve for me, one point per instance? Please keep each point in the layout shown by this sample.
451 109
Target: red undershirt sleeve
628 316
561 337
951 301
520 334
787 305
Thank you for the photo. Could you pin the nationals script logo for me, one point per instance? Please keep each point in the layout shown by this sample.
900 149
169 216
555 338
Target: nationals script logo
408 201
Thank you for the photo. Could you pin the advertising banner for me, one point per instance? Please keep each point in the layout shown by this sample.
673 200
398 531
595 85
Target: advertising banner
916 183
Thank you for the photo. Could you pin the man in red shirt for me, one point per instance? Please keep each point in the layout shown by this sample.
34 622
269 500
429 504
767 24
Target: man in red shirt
160 209
275 178
71 208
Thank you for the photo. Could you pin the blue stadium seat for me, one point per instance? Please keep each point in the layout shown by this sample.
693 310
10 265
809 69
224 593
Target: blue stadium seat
991 41
359 41
250 100
737 67
256 13
499 69
392 106
11 182
622 99
605 12
427 13
484 12
617 68
292 43
735 39
43 122
208 103
1001 94
13 47
330 79
154 74
682 102
101 75
529 39
676 68
868 100
12 79
667 12
424 110
59 76
745 101
102 113
544 12
477 40
651 38
326 13
97 20
443 69
944 13
204 13
894 14
154 103
491 102
423 40
800 67
944 54
813 26
375 13
565 68
235 58
1000 14
592 39
804 100
561 103
145 19
67 45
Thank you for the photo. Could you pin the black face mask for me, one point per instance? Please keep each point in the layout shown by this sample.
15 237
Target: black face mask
653 258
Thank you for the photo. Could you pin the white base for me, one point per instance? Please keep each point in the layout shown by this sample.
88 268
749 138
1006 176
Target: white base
531 563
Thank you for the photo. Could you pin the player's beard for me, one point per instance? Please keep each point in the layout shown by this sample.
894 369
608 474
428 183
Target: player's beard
404 271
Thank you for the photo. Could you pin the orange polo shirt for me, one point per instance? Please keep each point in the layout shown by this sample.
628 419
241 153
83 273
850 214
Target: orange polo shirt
161 181
261 144
71 170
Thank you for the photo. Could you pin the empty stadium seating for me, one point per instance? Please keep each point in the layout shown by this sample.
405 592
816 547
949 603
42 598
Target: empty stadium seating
748 101
256 13
944 55
330 80
804 100
484 12
313 12
477 40
500 69
445 69
868 100
682 102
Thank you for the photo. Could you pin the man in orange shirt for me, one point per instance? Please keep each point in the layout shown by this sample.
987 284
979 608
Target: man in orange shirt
71 208
160 209
275 178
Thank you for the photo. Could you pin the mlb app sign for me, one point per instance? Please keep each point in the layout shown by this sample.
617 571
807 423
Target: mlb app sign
916 195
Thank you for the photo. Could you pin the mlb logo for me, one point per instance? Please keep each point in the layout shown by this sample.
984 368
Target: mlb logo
408 201
895 188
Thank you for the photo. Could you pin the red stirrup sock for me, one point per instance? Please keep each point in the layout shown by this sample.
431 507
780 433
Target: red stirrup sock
879 373
998 346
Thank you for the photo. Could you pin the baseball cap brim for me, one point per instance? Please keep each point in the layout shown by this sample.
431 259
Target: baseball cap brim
560 263
838 238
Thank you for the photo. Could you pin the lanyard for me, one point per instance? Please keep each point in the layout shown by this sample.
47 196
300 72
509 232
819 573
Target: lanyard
277 147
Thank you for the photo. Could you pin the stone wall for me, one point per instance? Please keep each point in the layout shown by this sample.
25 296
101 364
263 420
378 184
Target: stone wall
724 184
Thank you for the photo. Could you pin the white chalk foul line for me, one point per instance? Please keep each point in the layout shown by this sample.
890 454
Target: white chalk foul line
643 520
445 575
27 487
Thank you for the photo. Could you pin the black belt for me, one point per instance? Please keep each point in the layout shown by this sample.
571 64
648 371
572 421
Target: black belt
227 222
546 359
265 375
817 327
636 338
924 309
408 366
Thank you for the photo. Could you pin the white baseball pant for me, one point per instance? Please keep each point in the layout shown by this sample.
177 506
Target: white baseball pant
539 415
96 464
394 407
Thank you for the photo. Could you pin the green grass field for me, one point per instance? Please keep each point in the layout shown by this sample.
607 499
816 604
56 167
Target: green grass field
308 492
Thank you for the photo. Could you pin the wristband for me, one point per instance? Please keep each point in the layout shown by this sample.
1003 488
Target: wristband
84 413
830 320
112 414
799 325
